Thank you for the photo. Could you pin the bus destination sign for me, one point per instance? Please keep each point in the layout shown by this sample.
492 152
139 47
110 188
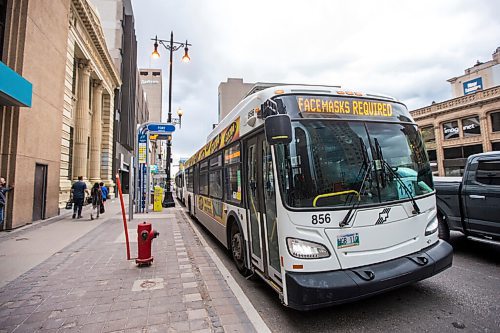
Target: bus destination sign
349 106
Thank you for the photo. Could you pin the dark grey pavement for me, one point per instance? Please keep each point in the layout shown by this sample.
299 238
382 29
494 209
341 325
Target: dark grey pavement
89 286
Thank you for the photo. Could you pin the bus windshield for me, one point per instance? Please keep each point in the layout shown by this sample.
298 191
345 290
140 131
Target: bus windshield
334 163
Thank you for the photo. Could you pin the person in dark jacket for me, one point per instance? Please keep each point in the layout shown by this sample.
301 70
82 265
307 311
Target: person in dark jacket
78 190
3 198
96 195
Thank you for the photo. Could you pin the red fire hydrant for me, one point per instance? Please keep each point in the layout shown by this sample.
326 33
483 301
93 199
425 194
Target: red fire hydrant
145 236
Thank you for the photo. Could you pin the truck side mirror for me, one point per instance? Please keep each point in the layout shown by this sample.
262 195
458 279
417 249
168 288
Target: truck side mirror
278 129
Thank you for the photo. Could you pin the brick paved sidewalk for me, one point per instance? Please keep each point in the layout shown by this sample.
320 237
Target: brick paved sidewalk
90 287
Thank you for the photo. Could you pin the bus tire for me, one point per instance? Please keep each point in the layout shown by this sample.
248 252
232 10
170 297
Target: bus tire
237 249
443 228
189 207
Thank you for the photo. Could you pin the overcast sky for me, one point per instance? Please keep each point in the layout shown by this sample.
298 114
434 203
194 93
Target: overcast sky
406 49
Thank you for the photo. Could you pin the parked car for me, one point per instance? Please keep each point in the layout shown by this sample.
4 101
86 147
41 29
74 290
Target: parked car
471 204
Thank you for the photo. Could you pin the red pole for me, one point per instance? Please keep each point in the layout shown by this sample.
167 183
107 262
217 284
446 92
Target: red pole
123 215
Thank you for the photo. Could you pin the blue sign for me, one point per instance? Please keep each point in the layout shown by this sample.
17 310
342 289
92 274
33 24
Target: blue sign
161 128
472 86
14 89
143 138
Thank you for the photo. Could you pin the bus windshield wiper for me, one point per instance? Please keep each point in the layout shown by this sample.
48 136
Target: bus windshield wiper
366 165
386 166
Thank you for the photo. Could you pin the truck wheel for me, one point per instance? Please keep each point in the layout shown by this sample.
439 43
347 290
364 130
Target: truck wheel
237 247
443 229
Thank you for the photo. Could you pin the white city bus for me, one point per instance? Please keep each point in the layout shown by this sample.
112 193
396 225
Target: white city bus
179 186
326 194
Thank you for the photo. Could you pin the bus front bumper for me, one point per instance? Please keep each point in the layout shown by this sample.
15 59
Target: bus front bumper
307 291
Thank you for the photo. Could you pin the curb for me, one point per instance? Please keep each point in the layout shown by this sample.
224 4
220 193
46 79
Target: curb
247 306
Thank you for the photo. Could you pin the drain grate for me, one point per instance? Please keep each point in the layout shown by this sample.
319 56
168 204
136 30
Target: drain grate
148 284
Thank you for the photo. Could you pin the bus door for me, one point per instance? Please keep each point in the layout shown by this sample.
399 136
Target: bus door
261 203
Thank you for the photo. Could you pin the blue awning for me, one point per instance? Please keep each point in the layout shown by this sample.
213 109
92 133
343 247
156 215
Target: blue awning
14 89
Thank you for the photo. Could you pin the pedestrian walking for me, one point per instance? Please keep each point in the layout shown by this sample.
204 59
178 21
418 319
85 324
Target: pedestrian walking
96 195
78 190
104 191
3 198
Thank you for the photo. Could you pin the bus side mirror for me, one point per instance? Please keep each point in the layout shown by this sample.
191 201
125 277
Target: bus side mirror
278 129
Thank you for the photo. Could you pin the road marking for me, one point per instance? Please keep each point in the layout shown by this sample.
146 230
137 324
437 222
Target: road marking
252 314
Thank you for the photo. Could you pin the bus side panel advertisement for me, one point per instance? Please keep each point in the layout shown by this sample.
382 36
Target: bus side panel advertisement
229 135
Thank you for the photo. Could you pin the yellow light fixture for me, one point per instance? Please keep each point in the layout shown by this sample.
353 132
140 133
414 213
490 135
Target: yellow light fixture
186 57
155 54
180 112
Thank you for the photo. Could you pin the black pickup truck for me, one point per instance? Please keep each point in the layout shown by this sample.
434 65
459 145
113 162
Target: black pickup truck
471 204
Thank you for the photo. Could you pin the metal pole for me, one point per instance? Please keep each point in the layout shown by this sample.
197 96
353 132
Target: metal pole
168 200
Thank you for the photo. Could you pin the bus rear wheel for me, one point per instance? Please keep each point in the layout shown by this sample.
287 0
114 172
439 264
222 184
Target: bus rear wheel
238 250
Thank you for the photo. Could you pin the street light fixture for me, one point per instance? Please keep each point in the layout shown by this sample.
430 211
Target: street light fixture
171 46
180 112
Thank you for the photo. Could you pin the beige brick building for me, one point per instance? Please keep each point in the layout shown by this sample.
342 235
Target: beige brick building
467 124
59 47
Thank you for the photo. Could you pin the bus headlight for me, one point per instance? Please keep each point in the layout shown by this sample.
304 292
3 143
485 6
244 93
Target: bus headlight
431 227
302 249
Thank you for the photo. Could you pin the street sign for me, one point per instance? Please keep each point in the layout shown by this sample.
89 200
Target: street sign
143 138
161 128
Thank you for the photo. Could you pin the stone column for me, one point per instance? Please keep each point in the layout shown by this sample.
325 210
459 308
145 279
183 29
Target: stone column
82 120
95 138
439 148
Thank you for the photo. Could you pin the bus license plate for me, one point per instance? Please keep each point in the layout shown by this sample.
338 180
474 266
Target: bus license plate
347 240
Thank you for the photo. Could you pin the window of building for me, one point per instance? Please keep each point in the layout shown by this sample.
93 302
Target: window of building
455 152
454 171
428 134
144 73
462 152
450 130
203 178
156 73
488 172
495 121
232 174
471 126
495 146
3 11
73 82
471 150
432 155
215 177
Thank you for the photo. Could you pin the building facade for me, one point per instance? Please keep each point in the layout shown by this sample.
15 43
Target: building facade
467 124
34 42
151 81
90 82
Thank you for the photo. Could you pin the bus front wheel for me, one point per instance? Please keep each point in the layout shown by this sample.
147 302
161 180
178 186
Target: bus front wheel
238 250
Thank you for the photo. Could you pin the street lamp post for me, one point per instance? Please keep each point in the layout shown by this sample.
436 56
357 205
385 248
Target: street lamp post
171 46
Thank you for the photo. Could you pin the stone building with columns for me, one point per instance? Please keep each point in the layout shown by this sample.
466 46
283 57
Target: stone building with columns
91 80
467 124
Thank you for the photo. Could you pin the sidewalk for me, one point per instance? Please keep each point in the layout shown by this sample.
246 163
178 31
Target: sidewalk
89 286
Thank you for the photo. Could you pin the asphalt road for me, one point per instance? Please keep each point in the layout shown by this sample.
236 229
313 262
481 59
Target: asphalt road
464 298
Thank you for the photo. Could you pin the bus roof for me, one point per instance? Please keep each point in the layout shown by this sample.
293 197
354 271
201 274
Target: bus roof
243 118
258 96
